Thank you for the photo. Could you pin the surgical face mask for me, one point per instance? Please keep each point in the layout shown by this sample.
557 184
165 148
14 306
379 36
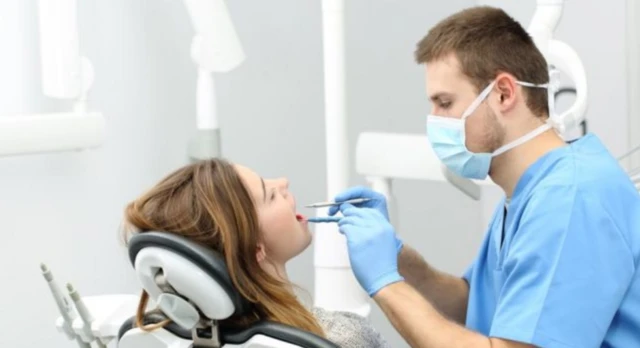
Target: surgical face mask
447 138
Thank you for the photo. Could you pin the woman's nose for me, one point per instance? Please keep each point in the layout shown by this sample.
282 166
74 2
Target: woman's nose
283 183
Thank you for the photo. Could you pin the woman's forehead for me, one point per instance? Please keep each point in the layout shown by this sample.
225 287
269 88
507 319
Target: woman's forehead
252 181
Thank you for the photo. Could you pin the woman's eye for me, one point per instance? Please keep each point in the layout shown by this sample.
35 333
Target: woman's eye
445 105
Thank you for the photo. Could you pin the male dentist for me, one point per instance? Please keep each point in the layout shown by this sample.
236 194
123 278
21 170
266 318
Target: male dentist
558 267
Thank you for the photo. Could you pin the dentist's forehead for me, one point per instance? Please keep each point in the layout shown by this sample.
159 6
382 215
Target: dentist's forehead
442 76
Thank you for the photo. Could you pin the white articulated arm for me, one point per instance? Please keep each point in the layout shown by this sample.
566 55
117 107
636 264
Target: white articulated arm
215 48
65 75
559 56
406 156
566 60
544 22
335 285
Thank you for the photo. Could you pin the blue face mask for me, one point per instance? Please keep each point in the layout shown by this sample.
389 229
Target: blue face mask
447 138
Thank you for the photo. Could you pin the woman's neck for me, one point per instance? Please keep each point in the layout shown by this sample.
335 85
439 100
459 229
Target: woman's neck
279 272
276 270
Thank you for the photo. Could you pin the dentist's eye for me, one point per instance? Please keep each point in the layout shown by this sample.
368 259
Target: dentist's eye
445 105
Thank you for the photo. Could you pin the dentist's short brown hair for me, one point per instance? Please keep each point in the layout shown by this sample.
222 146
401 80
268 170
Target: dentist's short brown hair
486 41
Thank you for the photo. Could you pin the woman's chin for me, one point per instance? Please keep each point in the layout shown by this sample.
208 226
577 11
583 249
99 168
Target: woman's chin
307 235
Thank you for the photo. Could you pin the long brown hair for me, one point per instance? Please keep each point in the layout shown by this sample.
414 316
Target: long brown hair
207 202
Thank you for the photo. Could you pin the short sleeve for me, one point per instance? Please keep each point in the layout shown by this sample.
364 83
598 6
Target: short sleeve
565 272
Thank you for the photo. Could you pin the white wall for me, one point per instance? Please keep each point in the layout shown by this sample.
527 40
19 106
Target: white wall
65 209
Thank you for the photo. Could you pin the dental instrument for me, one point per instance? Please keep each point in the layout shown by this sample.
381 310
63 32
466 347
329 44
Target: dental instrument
324 219
86 316
329 204
64 306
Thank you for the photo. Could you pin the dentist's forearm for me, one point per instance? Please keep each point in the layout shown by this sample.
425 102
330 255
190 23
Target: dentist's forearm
420 324
449 294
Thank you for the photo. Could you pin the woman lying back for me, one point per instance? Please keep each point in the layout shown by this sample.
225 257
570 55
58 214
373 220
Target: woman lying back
253 223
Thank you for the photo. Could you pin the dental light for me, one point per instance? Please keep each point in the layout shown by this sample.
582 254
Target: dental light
215 48
65 75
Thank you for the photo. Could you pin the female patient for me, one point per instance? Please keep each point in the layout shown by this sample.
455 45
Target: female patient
253 223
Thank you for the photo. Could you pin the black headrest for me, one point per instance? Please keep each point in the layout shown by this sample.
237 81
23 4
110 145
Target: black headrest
210 261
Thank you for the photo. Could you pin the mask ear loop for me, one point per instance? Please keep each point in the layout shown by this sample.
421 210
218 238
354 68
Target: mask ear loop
551 87
481 97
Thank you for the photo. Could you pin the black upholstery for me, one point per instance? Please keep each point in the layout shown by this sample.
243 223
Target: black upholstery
210 261
278 331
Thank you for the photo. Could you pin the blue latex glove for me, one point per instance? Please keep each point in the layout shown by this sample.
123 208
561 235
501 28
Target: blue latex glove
378 202
371 241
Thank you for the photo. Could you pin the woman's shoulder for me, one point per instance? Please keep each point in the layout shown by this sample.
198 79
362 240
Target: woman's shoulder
349 330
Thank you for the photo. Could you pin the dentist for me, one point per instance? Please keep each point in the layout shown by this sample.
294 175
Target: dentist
558 267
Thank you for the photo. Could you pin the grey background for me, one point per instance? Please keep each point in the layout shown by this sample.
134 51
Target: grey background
65 209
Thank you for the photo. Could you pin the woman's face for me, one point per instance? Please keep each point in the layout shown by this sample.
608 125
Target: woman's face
285 232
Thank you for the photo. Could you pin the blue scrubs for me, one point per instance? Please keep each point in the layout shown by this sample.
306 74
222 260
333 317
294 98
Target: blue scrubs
561 270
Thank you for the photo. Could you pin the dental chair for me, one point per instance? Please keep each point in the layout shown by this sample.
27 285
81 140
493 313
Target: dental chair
191 287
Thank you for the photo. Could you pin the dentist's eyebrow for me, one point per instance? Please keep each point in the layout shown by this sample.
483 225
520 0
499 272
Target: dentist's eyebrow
436 97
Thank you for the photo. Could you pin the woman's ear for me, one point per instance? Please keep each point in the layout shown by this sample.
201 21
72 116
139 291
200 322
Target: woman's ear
261 253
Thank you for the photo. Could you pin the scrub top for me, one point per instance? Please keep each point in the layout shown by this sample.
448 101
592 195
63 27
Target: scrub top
558 266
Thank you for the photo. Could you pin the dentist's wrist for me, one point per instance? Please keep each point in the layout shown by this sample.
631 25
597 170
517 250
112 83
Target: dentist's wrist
384 281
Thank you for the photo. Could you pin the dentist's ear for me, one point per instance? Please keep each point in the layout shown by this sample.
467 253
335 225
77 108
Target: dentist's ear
506 86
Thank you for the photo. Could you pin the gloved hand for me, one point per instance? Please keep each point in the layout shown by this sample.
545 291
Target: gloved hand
378 202
371 242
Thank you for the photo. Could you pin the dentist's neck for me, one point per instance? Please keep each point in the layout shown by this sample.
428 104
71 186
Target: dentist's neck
508 168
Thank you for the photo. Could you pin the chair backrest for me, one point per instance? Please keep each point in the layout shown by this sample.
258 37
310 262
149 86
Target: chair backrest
194 275
187 268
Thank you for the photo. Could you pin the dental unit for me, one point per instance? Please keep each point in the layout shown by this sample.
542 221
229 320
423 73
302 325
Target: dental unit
190 284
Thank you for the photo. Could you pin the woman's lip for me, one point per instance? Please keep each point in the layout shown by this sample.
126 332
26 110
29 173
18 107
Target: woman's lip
301 217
